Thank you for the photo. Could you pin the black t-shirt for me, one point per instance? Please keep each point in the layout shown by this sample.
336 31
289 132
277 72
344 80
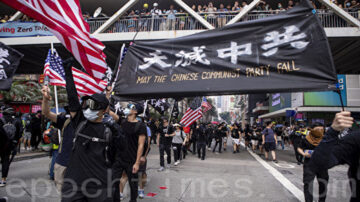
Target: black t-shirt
258 134
35 125
219 133
67 140
209 132
163 130
132 138
200 134
248 132
88 161
305 145
235 133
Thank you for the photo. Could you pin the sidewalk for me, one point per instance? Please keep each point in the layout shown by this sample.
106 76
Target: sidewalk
26 155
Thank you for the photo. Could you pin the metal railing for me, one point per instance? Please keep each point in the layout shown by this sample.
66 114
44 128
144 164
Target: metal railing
187 22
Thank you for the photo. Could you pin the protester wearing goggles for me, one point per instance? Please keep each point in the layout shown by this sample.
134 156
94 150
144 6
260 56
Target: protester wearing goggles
94 146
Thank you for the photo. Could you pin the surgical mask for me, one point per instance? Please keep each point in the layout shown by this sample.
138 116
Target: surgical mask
127 112
91 115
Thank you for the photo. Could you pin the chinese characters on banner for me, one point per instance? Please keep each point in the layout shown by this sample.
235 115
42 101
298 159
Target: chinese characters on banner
9 61
284 52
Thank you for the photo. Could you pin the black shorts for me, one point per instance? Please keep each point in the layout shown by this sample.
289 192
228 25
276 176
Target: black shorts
269 146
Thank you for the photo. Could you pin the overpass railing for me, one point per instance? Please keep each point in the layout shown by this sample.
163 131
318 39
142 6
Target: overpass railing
179 21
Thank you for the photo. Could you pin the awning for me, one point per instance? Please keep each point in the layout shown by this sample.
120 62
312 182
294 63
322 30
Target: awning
260 109
282 112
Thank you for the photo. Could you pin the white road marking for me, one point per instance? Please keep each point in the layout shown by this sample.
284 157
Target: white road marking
280 177
284 165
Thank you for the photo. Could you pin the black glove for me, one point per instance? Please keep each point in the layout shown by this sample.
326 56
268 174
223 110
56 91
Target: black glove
68 63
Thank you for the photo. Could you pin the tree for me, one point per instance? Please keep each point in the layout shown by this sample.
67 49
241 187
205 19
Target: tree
225 116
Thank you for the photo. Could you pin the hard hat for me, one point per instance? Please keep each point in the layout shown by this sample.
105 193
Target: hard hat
155 4
146 5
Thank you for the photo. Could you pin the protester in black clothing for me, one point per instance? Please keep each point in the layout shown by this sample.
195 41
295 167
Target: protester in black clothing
248 133
128 160
193 138
164 140
259 139
218 137
36 135
296 138
10 134
153 128
210 135
332 152
305 148
236 138
89 169
201 140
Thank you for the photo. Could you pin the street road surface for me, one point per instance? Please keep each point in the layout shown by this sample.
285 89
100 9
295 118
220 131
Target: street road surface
221 177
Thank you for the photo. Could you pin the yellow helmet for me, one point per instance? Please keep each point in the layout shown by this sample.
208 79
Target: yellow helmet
146 5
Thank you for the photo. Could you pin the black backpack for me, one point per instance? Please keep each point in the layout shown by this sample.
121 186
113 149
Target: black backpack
9 128
107 140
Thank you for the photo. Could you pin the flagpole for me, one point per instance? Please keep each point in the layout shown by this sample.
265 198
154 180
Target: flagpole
145 108
56 97
117 70
171 112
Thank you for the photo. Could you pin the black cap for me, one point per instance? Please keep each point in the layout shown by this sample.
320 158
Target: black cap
139 108
99 99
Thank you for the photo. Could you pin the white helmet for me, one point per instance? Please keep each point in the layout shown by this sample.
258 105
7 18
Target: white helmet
155 4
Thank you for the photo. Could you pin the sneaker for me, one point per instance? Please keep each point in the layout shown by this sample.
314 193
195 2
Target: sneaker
141 194
161 169
275 161
209 149
23 148
122 197
168 166
2 183
176 163
234 152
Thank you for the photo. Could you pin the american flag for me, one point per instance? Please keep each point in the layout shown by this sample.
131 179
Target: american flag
193 113
85 85
207 106
64 19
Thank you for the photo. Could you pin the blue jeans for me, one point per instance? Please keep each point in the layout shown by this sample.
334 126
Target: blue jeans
54 154
282 144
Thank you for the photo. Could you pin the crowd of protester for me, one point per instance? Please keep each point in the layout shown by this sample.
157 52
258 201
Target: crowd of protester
120 142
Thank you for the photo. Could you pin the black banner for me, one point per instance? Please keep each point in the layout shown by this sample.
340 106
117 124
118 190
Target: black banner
284 52
9 61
